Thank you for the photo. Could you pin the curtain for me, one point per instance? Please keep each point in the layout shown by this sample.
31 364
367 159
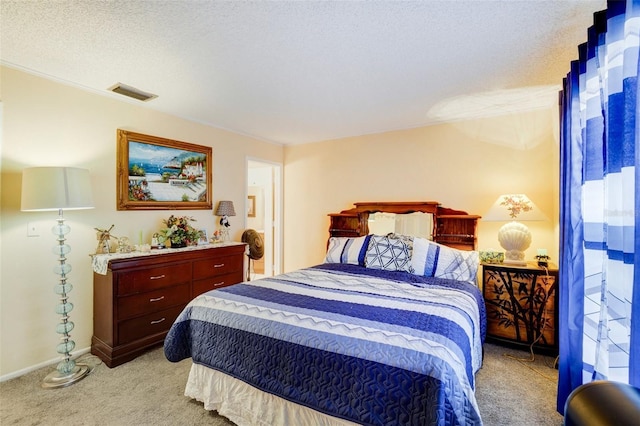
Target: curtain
599 315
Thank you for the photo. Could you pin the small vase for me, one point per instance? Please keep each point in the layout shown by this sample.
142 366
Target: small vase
178 245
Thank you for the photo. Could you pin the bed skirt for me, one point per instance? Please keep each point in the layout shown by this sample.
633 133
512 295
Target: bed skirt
247 406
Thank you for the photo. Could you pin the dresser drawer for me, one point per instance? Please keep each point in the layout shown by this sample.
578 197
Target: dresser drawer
153 278
153 301
147 325
206 284
219 266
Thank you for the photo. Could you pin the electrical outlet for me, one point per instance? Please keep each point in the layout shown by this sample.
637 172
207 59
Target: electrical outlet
32 230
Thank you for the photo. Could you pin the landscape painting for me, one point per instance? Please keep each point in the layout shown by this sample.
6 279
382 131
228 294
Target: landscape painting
161 174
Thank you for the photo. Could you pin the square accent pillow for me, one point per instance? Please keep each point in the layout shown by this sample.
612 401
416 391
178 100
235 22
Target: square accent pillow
388 254
347 250
436 260
408 239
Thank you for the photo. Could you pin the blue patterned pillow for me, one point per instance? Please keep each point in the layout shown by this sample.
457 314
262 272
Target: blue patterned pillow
435 260
389 254
347 250
408 239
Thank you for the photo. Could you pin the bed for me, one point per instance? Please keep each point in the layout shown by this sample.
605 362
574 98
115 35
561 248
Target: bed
387 331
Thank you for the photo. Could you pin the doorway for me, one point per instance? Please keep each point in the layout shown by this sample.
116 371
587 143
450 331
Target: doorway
264 214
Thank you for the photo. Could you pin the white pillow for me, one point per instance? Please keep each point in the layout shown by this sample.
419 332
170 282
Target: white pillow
347 250
389 254
431 259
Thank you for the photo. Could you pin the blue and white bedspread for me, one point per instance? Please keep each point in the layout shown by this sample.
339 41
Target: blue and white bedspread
368 346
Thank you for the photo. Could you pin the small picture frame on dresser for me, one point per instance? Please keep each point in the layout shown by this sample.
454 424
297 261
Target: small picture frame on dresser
204 238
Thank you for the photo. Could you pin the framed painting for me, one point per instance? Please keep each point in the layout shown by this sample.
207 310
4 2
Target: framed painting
251 210
154 173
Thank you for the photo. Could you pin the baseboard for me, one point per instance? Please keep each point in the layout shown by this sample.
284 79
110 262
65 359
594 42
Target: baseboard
52 361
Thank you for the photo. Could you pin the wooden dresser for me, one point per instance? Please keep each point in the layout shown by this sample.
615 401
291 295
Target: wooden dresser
136 302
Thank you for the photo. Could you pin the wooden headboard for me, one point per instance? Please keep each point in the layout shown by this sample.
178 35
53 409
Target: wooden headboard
453 228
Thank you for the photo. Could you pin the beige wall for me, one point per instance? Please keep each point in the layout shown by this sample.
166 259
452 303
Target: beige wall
47 123
460 165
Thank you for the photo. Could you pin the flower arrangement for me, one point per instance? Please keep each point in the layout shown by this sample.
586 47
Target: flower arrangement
180 232
516 204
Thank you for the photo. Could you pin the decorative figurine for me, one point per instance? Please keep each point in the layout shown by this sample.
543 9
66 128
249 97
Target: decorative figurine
155 241
104 237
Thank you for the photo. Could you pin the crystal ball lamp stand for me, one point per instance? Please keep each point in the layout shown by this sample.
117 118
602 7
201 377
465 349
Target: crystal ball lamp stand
67 371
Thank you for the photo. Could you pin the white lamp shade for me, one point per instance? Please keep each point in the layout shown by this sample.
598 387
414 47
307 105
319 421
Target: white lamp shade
55 188
499 211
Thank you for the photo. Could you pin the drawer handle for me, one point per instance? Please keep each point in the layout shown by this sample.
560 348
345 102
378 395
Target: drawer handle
158 321
219 284
219 265
157 277
157 299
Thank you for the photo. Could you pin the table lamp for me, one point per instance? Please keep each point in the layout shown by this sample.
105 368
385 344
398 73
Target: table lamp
514 237
225 209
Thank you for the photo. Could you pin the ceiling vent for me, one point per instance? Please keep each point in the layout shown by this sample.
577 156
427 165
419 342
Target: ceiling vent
131 92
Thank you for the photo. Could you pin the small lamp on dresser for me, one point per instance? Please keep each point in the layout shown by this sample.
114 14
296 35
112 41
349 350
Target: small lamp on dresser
514 237
224 210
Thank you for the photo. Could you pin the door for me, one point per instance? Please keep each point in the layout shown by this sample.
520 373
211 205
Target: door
264 214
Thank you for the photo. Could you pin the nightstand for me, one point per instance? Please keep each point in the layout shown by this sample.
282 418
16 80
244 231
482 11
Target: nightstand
522 307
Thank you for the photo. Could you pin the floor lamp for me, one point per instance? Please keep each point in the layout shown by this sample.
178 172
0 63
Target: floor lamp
50 189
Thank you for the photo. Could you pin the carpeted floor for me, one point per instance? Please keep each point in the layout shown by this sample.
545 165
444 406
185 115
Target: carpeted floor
150 391
514 392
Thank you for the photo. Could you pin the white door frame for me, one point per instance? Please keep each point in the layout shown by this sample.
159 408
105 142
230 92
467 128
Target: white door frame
278 206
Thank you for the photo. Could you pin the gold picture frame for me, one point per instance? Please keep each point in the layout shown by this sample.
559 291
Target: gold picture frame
251 210
155 173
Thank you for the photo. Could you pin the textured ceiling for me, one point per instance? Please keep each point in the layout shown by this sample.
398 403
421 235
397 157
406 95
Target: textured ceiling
304 71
